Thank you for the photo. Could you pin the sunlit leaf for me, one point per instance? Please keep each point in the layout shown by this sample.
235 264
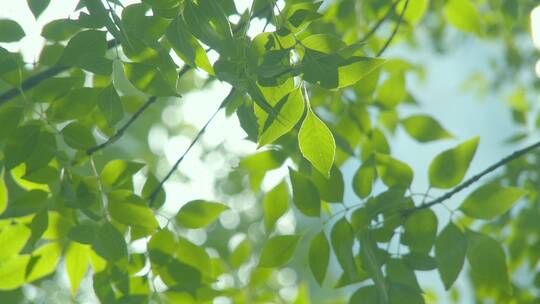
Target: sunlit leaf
199 213
449 167
278 250
77 263
424 128
317 143
490 200
275 204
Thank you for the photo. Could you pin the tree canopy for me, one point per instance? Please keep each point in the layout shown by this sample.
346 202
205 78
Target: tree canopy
88 207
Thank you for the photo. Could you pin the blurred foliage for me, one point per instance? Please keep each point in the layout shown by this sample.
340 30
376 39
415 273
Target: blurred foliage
80 189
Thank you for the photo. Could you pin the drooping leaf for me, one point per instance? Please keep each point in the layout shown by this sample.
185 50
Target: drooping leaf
317 143
449 167
490 200
278 250
424 128
199 213
37 6
110 243
319 255
13 272
342 239
275 204
330 189
364 177
12 240
132 214
77 263
420 231
44 261
372 264
10 31
305 194
60 29
488 262
289 108
450 250
241 253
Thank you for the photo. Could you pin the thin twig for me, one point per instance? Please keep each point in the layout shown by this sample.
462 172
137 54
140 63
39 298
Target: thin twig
517 154
156 190
380 21
36 79
396 29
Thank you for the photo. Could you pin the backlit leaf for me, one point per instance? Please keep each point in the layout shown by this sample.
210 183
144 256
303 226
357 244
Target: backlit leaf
490 200
278 250
449 167
450 249
275 204
424 128
317 143
199 213
305 194
319 255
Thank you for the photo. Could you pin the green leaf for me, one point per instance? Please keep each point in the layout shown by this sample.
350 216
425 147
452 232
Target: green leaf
60 29
132 214
110 106
27 203
44 261
488 262
199 213
399 293
317 143
372 265
393 172
13 272
342 239
330 189
319 256
13 237
10 31
449 167
299 15
3 193
37 6
84 45
77 103
78 136
356 69
39 224
275 204
490 200
151 80
77 262
366 294
290 109
151 183
305 194
263 160
424 128
187 47
450 249
278 250
420 261
415 10
240 254
463 15
420 231
364 177
110 243
398 272
117 172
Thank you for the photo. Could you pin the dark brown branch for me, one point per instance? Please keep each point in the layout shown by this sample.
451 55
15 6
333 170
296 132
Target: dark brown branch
155 192
34 80
396 29
517 154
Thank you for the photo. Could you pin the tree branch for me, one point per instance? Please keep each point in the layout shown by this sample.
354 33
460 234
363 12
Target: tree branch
380 22
34 80
155 192
517 154
396 28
